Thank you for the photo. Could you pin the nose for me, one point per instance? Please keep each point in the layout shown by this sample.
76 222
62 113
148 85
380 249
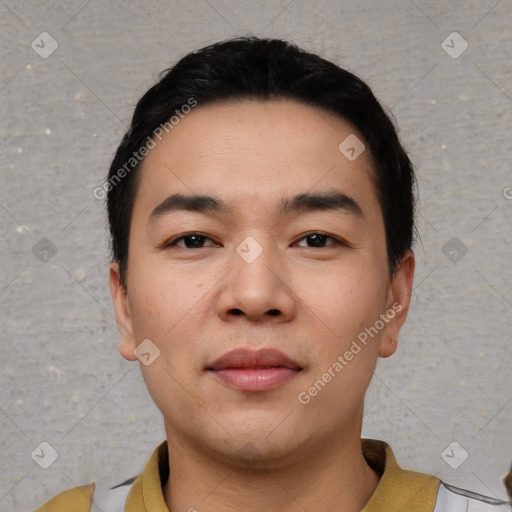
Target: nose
257 289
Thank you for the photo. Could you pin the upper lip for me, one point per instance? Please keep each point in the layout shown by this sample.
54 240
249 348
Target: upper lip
246 358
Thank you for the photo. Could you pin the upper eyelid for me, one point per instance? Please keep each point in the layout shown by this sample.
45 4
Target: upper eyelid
173 241
333 237
337 240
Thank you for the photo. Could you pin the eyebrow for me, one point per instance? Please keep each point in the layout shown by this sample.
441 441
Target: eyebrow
332 200
321 201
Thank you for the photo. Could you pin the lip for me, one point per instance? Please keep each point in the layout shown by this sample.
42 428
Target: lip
250 370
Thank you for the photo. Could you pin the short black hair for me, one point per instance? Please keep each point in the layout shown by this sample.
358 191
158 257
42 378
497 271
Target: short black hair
264 69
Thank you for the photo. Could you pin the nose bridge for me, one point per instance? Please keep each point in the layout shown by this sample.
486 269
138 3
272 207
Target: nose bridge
254 286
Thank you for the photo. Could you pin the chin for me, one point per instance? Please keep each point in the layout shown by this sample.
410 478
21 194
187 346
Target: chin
257 445
258 454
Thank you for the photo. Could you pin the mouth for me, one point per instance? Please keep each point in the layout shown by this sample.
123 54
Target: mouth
249 370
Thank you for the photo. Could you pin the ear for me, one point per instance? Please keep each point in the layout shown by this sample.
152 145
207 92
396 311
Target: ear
399 299
123 315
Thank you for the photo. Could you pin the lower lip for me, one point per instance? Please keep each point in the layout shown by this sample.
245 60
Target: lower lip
246 379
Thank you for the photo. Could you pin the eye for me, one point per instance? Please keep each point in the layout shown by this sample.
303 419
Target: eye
319 240
190 241
199 241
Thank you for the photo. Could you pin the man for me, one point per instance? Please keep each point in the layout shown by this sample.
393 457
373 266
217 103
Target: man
262 216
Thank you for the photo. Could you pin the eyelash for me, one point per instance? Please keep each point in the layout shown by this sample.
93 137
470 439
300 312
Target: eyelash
172 242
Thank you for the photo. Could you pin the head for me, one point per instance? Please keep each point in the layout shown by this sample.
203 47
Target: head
290 242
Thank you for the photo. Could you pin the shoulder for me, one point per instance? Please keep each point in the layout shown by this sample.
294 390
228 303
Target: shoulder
78 499
81 499
129 493
405 490
454 499
115 498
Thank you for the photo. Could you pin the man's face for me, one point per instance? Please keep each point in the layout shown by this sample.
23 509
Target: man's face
306 281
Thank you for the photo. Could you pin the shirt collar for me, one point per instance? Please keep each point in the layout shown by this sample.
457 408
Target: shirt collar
398 489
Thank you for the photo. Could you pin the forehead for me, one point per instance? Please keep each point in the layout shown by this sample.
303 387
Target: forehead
248 151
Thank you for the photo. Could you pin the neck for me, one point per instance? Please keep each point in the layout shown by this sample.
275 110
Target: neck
331 479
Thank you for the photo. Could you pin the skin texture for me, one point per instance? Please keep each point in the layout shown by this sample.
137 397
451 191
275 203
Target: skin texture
260 451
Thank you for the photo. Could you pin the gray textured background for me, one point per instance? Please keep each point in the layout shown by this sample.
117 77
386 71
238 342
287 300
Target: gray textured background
61 378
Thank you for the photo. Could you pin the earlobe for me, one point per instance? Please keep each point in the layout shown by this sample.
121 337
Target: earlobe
127 347
123 314
399 299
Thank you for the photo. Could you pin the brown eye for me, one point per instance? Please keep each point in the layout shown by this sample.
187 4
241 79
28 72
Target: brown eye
319 240
190 241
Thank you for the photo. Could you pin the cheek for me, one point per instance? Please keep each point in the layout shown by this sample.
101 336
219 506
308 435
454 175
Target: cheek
165 306
344 301
172 308
161 297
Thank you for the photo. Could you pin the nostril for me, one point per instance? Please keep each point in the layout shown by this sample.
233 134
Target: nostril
236 312
273 312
